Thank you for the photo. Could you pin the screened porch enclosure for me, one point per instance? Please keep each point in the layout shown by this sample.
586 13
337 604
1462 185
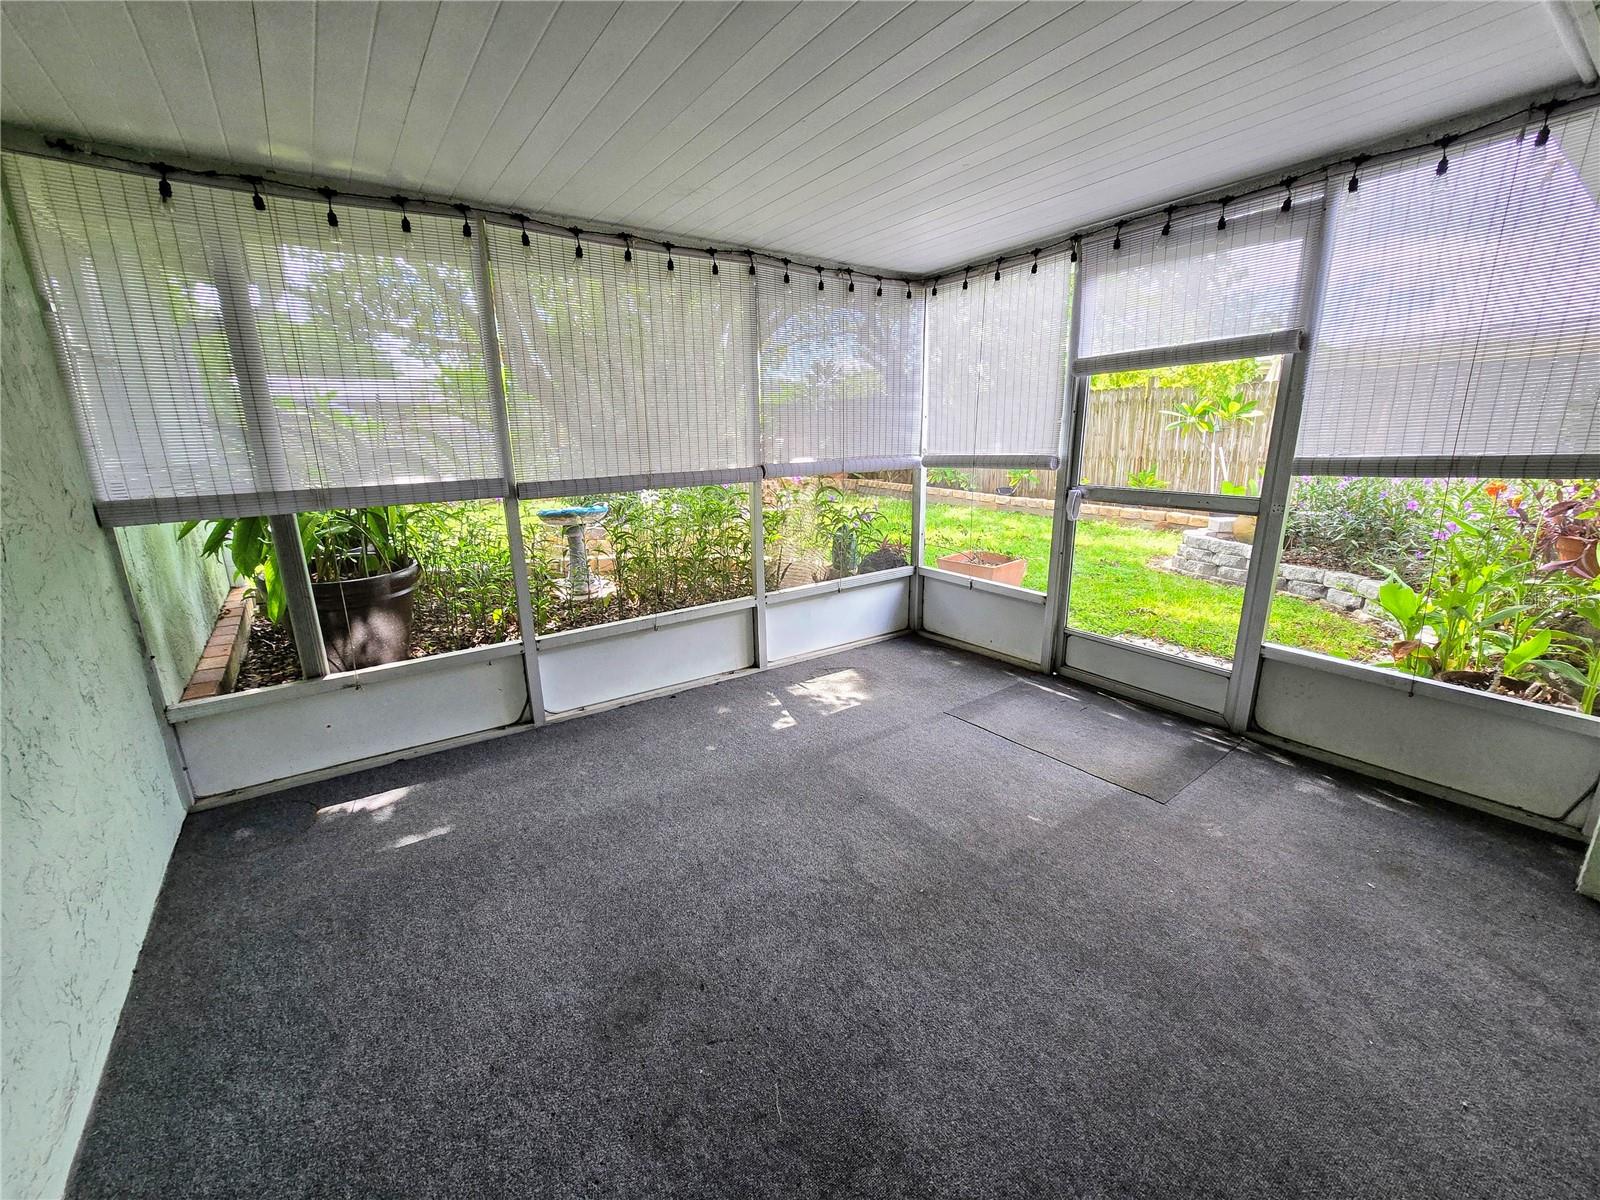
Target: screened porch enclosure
1157 455
903 598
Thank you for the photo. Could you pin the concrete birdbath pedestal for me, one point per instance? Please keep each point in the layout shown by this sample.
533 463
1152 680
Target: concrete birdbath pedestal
580 583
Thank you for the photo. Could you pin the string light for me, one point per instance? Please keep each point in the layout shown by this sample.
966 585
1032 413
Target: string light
819 279
964 279
164 171
850 275
1354 185
786 270
1222 216
577 242
880 286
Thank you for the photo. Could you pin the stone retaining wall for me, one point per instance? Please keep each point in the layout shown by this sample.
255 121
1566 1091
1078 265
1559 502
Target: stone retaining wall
1208 555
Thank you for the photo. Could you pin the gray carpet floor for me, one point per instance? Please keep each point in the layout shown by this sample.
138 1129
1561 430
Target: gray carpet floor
807 934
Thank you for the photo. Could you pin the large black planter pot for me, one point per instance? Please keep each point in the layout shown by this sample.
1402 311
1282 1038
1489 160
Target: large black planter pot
367 621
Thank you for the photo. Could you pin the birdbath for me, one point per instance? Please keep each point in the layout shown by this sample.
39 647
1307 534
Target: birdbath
573 523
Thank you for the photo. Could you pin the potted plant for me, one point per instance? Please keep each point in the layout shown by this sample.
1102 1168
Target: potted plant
364 573
843 524
985 564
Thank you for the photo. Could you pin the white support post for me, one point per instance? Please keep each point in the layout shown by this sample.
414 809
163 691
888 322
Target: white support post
1058 583
758 562
261 429
919 540
919 494
490 336
1261 575
758 523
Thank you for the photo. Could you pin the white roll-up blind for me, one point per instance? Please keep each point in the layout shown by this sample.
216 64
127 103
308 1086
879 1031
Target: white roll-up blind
1197 292
997 365
841 374
1460 329
623 375
227 362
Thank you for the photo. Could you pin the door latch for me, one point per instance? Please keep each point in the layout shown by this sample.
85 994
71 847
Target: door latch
1074 503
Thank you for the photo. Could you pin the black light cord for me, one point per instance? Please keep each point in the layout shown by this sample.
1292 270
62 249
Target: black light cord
1072 241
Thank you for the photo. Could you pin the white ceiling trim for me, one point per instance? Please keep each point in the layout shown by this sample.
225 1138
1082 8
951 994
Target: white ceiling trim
909 134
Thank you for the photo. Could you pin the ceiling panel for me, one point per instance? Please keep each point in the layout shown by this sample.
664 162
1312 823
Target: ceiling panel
906 136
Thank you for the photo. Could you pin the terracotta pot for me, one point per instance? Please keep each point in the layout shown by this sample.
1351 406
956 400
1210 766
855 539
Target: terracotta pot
367 621
982 564
1581 552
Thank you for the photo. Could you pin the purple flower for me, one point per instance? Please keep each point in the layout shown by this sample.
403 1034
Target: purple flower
1383 495
1452 527
1413 505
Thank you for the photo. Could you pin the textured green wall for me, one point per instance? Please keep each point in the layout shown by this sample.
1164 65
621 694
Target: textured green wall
178 594
90 808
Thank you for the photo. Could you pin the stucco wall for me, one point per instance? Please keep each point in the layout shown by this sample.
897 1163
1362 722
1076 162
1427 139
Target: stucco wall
178 594
90 808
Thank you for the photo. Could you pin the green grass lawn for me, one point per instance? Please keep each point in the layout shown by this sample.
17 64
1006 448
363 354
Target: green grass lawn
1115 591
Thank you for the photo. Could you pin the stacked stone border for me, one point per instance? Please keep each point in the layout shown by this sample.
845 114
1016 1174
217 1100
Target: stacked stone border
1207 554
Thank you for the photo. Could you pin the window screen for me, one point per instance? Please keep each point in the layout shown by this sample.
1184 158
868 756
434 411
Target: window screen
1223 293
623 375
228 362
841 375
997 363
1460 330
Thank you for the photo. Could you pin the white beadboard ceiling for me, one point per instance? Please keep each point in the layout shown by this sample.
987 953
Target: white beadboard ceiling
909 136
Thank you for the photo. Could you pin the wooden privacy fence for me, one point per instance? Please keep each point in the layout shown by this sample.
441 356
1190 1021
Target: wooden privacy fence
1127 432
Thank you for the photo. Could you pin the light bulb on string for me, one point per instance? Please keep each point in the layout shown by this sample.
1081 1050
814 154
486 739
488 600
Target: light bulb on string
1116 242
880 285
466 221
786 270
257 200
523 225
577 242
1288 195
668 245
819 279
713 255
1034 270
997 270
1166 226
627 249
328 194
751 255
1444 156
1543 136
1222 215
164 187
405 220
